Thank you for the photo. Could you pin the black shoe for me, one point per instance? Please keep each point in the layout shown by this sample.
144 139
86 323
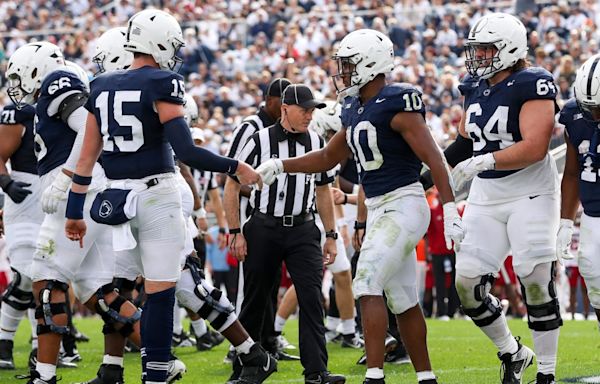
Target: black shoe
182 340
32 362
216 337
373 381
230 357
284 356
204 342
428 381
6 354
34 378
79 336
108 374
131 348
513 365
257 365
323 378
544 379
352 341
397 356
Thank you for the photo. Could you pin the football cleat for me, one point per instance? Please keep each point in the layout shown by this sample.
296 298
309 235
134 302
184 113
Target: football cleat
373 381
513 365
34 378
6 354
324 378
182 340
283 343
544 379
216 337
257 366
176 370
352 341
108 374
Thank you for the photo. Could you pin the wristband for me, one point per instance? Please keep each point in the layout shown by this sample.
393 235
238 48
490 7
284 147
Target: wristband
82 180
75 205
345 199
222 230
360 224
234 231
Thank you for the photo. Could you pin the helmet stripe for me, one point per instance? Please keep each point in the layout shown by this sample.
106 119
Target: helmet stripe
590 77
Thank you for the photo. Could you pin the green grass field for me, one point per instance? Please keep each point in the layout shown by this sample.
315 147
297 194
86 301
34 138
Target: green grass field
459 352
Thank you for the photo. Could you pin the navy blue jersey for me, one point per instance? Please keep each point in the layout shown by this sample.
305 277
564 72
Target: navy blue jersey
135 145
585 137
492 112
23 160
384 160
53 137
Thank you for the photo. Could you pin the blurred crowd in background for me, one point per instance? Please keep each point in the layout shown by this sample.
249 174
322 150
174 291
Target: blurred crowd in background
233 48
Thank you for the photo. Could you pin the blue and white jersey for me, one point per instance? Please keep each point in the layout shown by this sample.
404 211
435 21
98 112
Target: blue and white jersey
23 159
584 135
384 159
492 122
135 145
53 137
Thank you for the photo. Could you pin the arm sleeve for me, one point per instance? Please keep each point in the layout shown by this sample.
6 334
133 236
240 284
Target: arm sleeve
76 122
179 137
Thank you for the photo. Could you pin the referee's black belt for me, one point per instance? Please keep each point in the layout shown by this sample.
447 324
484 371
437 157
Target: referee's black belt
285 221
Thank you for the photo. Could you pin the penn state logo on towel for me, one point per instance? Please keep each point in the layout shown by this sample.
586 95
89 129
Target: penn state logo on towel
109 207
106 209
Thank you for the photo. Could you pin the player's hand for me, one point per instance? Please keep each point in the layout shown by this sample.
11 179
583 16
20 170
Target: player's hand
237 246
16 190
338 196
55 193
454 230
468 169
357 239
329 251
563 240
75 230
269 170
246 175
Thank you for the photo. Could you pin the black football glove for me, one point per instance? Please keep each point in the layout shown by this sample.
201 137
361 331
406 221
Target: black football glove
16 190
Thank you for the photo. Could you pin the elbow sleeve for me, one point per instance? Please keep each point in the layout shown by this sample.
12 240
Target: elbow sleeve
179 137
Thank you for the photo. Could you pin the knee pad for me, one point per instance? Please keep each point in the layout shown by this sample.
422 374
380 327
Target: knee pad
194 293
46 310
477 303
539 294
18 294
110 313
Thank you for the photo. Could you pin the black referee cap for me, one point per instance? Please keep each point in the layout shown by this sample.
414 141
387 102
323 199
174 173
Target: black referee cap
301 95
276 87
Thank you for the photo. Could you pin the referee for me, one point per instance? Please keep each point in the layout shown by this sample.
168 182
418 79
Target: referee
282 228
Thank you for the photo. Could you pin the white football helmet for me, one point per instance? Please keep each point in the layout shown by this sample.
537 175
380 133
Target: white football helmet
156 33
362 55
80 72
191 111
504 32
587 88
327 120
27 68
110 54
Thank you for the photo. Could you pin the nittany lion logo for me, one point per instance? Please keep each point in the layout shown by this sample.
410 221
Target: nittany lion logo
106 209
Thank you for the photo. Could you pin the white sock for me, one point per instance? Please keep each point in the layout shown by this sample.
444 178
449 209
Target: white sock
199 327
347 327
245 346
425 375
46 371
545 344
332 323
177 325
113 360
279 323
500 334
9 321
374 373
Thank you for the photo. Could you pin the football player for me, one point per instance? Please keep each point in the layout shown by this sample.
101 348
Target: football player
38 73
132 118
581 178
384 128
509 111
22 218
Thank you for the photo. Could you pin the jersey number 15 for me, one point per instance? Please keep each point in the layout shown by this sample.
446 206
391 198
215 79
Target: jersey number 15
128 135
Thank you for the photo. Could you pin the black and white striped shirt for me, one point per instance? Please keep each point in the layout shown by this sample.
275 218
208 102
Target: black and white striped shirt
205 181
290 194
249 126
